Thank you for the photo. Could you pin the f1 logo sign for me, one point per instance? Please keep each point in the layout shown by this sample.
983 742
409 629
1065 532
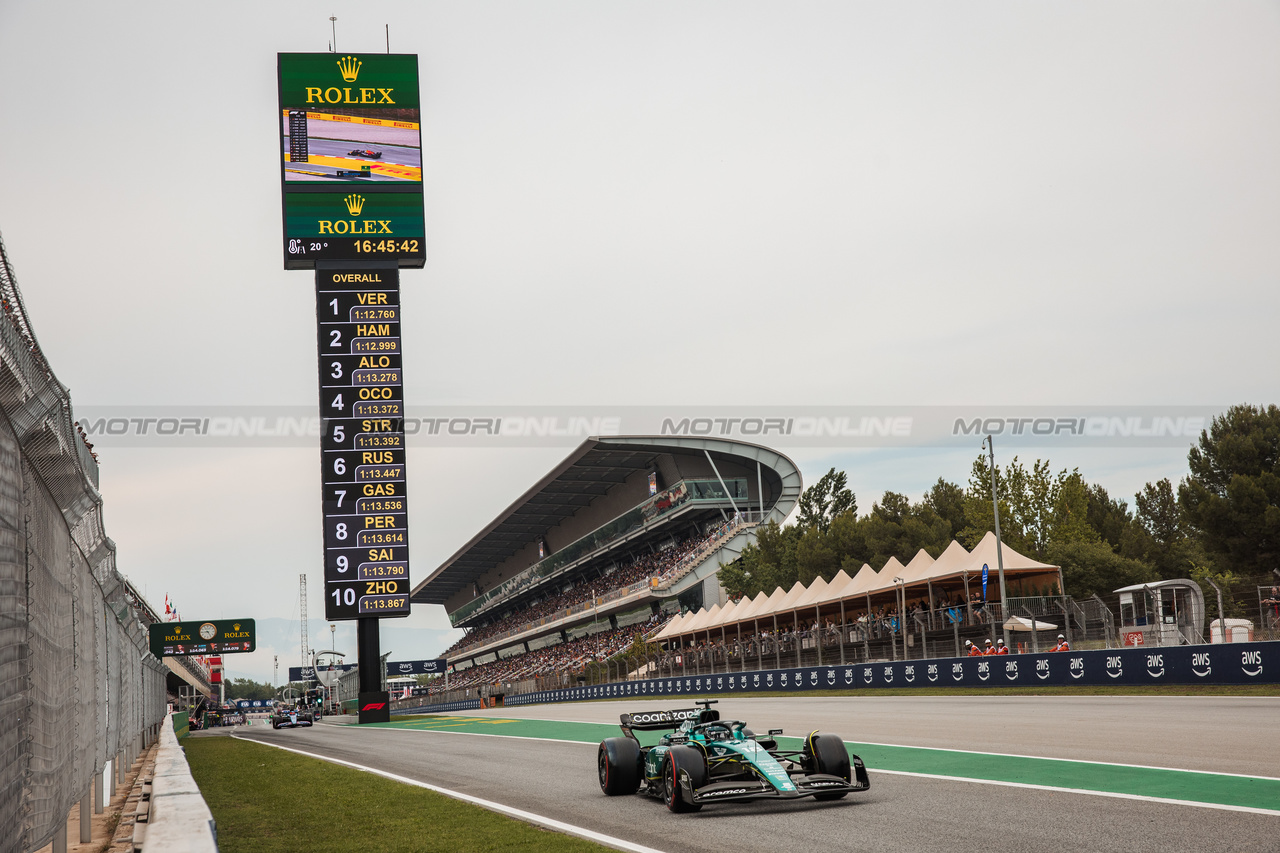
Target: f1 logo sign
374 706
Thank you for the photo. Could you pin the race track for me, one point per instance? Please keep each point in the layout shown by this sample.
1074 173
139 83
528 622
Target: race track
557 780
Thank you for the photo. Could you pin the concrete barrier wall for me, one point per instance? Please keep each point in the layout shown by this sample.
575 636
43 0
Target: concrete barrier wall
180 820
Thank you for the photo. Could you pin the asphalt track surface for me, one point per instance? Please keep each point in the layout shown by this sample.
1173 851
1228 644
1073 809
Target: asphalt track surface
999 803
398 154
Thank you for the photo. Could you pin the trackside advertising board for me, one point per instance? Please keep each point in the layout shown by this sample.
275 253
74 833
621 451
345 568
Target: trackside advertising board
210 637
1230 663
308 673
416 667
350 158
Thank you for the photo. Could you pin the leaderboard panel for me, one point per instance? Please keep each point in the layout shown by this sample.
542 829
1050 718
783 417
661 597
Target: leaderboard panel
366 531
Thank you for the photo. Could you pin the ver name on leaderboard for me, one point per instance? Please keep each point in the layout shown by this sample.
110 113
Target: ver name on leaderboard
366 531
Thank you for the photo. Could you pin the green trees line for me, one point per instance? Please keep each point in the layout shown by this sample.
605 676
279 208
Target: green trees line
1221 522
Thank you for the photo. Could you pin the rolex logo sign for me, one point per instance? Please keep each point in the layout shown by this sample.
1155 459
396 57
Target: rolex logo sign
350 68
355 204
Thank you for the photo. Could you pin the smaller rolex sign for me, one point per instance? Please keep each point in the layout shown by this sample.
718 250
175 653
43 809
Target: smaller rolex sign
350 158
210 637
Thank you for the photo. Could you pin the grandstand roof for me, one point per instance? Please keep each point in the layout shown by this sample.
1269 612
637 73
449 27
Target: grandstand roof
587 476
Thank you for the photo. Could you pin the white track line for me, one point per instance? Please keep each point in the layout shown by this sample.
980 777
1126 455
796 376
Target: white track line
1113 794
520 814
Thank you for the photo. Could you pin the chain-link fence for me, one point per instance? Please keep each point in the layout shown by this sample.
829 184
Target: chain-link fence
78 686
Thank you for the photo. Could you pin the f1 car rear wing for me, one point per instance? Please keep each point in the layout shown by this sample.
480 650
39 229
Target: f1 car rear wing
647 721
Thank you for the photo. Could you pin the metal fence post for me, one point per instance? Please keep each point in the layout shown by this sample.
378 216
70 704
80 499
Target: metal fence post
86 816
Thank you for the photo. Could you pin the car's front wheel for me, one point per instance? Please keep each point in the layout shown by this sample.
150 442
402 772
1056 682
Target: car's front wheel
827 754
682 761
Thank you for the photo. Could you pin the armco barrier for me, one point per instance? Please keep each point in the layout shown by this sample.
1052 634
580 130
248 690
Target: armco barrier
1232 663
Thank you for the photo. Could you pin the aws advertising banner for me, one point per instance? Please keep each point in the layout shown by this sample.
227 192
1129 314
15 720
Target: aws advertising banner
415 667
308 673
1232 663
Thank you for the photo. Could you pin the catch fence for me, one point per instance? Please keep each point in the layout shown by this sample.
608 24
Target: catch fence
78 686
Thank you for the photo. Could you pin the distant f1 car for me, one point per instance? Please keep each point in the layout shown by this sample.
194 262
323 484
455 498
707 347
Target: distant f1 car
365 152
291 718
705 759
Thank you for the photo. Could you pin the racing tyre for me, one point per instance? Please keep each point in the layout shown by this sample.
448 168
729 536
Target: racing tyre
618 763
682 759
828 755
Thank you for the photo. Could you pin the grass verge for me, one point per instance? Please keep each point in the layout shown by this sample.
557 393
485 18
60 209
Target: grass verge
265 800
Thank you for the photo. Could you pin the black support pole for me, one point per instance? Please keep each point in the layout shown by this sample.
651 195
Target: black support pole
369 650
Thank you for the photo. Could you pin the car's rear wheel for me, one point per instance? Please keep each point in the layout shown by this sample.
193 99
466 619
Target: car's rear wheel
827 754
682 760
618 764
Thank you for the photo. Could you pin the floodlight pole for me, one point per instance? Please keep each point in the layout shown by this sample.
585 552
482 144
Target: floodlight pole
333 23
989 445
902 612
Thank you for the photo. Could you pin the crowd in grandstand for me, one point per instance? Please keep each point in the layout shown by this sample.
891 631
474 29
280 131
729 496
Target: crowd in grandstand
663 565
569 657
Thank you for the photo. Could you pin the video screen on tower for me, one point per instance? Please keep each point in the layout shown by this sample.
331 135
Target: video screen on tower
350 158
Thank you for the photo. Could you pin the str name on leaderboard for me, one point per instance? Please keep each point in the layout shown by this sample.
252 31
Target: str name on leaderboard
366 531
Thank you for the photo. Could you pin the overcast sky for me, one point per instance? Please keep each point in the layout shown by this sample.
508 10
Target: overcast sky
658 204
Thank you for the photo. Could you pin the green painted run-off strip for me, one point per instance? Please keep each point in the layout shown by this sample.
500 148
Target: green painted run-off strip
1187 785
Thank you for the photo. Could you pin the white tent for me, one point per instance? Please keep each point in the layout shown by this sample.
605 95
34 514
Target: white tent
1018 623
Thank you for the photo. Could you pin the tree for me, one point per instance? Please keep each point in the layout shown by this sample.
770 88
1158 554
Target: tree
897 528
765 565
1232 494
979 518
1158 512
1160 534
1071 511
946 499
1110 518
1037 509
244 688
1090 568
824 500
815 558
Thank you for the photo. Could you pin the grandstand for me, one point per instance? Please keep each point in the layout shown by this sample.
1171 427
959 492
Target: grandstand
624 533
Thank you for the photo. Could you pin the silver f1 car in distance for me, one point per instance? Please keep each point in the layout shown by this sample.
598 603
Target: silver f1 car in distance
705 759
291 718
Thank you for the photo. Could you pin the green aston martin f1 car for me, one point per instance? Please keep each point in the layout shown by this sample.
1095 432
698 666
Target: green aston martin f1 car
705 759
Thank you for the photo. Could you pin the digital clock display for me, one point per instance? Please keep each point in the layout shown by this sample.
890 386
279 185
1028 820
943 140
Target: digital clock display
358 224
366 536
212 637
